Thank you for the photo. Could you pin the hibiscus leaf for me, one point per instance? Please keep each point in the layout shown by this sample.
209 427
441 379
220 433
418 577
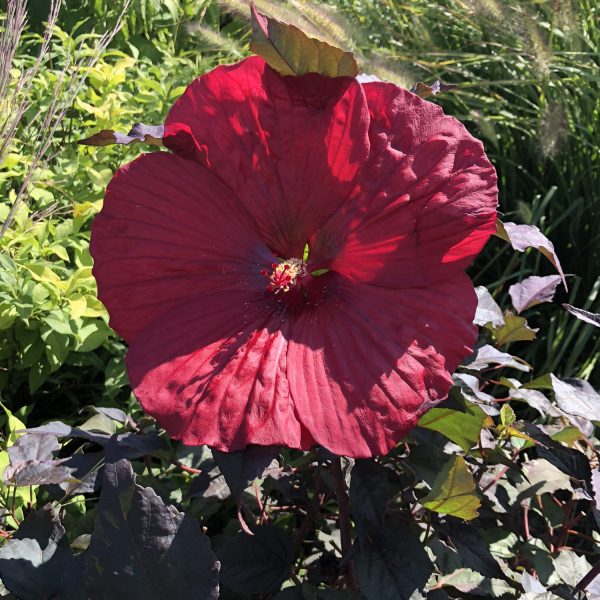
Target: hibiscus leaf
122 445
369 492
488 310
577 397
37 563
424 90
256 563
533 290
463 428
474 551
32 462
392 564
570 567
570 461
521 237
139 133
144 548
515 329
242 467
543 382
488 355
291 52
596 487
453 491
584 315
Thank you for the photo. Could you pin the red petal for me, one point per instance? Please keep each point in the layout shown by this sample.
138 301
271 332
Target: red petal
369 361
214 373
426 201
169 231
289 148
228 373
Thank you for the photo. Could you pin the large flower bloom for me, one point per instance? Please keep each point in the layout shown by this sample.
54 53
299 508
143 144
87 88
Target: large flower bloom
292 272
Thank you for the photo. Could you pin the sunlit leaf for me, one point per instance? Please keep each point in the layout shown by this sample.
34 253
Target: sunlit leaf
533 290
577 397
291 52
570 461
453 492
488 355
584 315
570 567
32 462
488 310
463 428
139 133
425 90
507 415
543 478
515 329
521 237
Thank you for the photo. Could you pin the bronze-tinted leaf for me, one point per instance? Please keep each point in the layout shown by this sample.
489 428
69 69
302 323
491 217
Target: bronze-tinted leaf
290 51
533 290
453 492
521 237
144 548
424 90
515 329
139 133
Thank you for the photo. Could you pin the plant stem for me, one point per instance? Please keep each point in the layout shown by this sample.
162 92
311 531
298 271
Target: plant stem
587 579
344 516
342 497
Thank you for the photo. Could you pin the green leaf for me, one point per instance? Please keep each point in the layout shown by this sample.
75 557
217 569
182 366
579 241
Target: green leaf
8 314
13 424
57 350
37 375
92 335
453 492
543 382
462 428
59 321
291 52
515 329
507 415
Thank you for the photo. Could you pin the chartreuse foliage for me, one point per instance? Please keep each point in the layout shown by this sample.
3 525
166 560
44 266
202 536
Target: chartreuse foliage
494 495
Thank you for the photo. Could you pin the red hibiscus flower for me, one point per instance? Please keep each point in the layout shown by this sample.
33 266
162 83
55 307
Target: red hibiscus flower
293 271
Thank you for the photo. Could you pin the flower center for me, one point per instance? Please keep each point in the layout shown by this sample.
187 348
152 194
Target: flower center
285 275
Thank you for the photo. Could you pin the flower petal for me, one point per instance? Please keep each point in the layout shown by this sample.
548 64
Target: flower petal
233 373
170 231
425 203
215 374
364 365
289 148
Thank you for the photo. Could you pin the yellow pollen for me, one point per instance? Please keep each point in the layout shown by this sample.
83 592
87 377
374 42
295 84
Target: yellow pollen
285 274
